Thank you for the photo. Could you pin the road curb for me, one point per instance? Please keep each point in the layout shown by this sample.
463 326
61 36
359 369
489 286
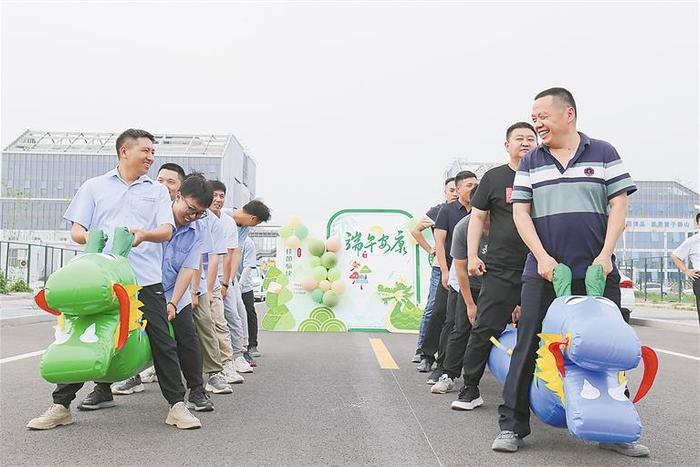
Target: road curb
666 325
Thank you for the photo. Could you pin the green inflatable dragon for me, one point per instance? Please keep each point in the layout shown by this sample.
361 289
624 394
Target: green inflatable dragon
100 335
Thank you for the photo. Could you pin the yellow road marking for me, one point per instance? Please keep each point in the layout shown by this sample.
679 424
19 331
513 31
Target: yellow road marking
386 361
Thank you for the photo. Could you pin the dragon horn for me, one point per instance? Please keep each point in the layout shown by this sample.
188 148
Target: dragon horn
555 348
40 300
123 297
651 366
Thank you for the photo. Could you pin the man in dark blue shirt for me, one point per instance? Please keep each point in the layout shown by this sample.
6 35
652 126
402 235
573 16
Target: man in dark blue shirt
416 232
448 217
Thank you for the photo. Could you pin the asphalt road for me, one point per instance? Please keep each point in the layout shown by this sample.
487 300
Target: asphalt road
320 399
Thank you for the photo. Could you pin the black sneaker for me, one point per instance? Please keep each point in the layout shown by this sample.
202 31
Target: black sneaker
249 359
97 400
468 399
435 376
200 402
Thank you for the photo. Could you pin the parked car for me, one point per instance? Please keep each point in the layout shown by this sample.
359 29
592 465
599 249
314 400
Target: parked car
257 281
627 300
653 287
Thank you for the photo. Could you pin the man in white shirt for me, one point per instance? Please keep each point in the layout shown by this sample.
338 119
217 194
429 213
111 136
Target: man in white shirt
689 251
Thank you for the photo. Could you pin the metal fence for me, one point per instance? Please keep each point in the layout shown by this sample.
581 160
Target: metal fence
31 262
657 279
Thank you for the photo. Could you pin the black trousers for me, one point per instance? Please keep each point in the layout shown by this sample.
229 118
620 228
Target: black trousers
189 351
537 295
249 302
499 295
459 336
163 347
437 320
696 291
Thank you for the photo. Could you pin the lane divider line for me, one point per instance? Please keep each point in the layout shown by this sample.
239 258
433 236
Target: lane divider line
386 361
21 356
691 357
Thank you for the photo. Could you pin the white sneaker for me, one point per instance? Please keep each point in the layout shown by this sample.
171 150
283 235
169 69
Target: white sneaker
56 415
241 365
182 418
444 385
149 375
231 375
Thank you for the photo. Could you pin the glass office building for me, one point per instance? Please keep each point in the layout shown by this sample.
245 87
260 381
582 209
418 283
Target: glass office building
41 171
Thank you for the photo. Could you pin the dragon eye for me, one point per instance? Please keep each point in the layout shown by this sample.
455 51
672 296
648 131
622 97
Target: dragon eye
575 300
607 302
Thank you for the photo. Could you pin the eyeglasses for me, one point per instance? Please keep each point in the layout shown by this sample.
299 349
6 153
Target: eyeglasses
193 211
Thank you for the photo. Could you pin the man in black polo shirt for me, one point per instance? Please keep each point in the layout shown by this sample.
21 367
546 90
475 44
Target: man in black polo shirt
448 217
500 288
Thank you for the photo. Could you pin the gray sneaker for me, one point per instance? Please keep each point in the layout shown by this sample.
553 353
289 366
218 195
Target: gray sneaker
506 441
626 449
444 385
217 384
434 376
424 366
129 386
254 352
416 357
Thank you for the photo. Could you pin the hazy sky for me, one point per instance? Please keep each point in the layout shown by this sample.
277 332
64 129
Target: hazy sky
358 104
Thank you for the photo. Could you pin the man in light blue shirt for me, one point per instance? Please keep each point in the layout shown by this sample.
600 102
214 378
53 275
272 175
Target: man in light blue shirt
251 214
126 196
248 265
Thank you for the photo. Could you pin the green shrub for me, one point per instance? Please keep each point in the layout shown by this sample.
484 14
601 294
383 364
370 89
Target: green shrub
3 284
20 286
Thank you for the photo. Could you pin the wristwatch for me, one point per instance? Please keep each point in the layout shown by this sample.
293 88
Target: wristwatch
224 285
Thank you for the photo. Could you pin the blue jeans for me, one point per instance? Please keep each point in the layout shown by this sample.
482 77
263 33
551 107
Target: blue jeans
435 277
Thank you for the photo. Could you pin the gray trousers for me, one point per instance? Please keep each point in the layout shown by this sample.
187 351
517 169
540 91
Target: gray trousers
237 319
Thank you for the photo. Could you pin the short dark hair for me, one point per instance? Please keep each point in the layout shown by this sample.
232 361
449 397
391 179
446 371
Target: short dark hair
217 185
258 209
175 168
198 187
133 133
463 175
561 94
519 125
447 181
697 217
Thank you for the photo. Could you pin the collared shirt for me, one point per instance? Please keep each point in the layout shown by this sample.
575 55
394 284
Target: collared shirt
570 205
230 232
216 246
432 214
243 231
248 260
182 251
448 217
690 250
107 201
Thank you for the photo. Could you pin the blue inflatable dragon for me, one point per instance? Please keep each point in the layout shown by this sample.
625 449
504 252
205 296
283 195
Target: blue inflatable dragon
585 348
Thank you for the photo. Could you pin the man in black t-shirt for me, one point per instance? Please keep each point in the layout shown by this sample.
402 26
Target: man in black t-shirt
499 297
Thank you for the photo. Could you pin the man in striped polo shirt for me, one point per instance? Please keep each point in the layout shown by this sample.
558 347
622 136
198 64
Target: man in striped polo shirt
570 204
